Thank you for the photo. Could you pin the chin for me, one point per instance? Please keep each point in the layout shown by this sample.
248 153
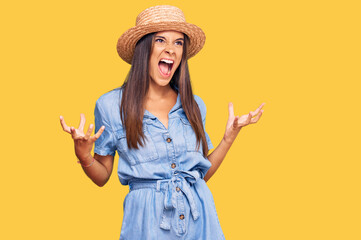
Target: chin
162 82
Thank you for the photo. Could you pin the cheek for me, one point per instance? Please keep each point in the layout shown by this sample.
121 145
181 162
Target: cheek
178 63
176 66
180 56
153 65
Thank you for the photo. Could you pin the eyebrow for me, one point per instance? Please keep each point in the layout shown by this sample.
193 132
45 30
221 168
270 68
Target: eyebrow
165 38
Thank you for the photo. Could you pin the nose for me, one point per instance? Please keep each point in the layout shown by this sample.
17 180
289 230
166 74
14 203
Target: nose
169 49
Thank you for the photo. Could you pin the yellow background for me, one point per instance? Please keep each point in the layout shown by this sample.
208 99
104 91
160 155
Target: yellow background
293 175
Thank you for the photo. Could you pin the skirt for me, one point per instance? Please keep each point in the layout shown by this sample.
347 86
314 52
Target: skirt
177 208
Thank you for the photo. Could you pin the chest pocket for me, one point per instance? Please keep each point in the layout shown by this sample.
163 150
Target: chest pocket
143 154
190 137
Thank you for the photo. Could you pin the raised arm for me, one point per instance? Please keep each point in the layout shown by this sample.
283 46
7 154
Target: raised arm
234 125
97 168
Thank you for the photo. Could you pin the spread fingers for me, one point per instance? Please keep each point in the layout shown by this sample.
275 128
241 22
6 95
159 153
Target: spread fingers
100 131
82 122
73 133
89 132
255 119
65 127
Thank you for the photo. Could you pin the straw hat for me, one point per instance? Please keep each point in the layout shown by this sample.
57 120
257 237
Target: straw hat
156 19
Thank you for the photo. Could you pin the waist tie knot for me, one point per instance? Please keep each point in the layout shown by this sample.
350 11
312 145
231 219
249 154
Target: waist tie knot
176 189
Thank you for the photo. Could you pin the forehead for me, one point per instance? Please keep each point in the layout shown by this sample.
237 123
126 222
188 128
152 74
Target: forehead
170 34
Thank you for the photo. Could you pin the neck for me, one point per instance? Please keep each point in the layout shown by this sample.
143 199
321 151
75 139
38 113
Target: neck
158 92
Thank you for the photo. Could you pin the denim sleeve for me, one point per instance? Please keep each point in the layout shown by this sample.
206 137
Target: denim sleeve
203 109
105 144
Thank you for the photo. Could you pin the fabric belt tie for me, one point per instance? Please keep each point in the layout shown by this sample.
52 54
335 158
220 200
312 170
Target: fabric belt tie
174 199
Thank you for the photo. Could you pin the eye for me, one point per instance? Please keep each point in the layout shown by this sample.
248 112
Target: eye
159 40
180 43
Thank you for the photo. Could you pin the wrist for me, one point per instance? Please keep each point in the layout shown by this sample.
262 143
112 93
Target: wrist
227 141
87 163
86 159
231 135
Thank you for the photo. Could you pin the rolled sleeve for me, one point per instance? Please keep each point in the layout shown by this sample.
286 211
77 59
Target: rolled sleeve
105 144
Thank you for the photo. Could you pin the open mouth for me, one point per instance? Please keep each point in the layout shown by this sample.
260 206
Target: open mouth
165 66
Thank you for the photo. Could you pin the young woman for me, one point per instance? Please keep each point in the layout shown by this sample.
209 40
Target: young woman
157 126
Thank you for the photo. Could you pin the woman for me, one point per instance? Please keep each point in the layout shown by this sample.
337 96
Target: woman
157 126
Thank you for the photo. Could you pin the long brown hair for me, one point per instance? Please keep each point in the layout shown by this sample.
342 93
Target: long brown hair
135 88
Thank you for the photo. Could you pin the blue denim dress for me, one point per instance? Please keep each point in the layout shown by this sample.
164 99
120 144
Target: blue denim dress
168 198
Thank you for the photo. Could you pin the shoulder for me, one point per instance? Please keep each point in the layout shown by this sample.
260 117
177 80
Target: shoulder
201 104
110 98
108 105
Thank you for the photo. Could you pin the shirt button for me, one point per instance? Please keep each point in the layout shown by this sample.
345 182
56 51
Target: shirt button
173 165
181 216
177 188
169 140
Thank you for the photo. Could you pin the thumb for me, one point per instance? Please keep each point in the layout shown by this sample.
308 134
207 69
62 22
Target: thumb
235 122
230 110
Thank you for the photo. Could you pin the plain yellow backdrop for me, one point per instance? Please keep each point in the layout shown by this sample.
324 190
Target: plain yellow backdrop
293 175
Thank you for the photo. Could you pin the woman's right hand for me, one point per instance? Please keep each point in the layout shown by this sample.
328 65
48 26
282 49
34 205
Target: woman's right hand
83 143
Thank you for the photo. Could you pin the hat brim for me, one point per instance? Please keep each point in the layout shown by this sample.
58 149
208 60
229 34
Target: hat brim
126 42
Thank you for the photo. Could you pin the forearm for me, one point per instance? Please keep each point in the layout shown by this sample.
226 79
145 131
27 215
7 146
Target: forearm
96 172
216 157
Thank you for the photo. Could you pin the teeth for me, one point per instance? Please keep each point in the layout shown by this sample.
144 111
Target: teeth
167 61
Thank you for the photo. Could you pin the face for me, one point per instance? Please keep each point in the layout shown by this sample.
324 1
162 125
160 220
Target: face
165 57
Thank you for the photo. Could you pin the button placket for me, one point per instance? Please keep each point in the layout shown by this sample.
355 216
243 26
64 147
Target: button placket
171 151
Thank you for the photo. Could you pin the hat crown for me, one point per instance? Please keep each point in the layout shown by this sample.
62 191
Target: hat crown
161 13
157 19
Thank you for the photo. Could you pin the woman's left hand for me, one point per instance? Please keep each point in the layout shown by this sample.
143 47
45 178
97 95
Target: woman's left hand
235 123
